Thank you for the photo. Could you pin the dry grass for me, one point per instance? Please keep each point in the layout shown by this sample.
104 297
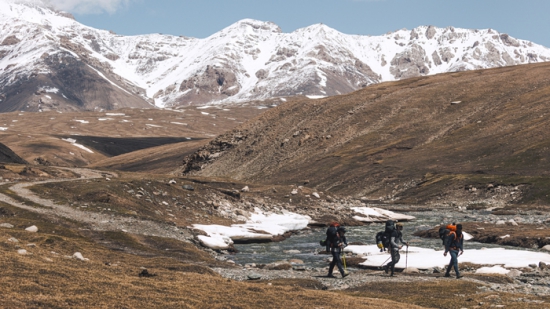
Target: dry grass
48 278
445 293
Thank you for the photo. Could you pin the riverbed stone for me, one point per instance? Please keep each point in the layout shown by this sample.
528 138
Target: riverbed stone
411 270
513 273
278 266
295 261
254 276
292 251
547 248
6 225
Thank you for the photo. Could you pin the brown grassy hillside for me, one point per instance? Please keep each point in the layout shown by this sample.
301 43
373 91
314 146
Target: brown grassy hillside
411 140
38 137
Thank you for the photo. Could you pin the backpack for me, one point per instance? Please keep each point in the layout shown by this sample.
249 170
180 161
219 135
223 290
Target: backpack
383 238
444 232
452 241
332 235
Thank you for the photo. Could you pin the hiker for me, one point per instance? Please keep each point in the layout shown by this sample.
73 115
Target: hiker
331 234
454 245
396 243
337 243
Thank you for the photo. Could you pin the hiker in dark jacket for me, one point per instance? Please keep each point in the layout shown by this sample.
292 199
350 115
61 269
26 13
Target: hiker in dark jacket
336 246
396 243
454 245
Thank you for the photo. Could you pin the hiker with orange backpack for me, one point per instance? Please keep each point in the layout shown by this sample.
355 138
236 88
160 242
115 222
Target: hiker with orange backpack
454 246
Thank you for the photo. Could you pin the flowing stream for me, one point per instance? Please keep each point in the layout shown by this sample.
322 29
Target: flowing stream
304 245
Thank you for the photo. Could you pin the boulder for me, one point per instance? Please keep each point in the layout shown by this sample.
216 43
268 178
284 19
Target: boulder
245 189
547 248
22 252
32 229
78 256
6 225
188 187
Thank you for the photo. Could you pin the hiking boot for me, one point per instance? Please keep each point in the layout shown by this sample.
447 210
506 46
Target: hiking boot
447 275
345 275
386 269
392 275
459 276
331 276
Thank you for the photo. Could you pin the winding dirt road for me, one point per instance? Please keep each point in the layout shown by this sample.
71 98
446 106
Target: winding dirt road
95 221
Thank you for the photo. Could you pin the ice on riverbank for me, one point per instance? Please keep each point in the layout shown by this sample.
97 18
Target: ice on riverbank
423 258
374 214
260 227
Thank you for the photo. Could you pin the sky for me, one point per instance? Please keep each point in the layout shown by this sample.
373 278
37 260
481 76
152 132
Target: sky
527 19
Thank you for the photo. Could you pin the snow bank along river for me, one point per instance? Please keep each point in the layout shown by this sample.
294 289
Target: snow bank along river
304 243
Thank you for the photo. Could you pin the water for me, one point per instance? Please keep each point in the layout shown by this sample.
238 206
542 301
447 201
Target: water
307 241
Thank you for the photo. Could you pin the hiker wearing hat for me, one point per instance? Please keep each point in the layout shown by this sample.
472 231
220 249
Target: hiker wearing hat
336 246
396 243
454 245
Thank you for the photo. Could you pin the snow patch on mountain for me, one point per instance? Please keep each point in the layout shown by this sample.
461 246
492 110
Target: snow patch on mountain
249 60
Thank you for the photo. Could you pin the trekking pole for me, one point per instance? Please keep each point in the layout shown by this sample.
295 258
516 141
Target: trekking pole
344 259
385 261
406 257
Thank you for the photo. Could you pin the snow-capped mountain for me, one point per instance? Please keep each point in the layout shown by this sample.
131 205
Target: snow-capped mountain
50 61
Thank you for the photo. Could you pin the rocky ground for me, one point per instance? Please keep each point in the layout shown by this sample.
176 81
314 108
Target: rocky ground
127 214
533 281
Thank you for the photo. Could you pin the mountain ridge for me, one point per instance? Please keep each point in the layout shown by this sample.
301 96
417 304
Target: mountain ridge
248 60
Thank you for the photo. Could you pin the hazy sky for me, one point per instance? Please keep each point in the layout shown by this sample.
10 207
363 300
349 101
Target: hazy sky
526 19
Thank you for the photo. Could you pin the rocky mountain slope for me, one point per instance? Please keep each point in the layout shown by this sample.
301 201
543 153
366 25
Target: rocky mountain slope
414 140
49 61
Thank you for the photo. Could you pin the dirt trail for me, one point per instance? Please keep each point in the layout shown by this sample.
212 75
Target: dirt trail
96 221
